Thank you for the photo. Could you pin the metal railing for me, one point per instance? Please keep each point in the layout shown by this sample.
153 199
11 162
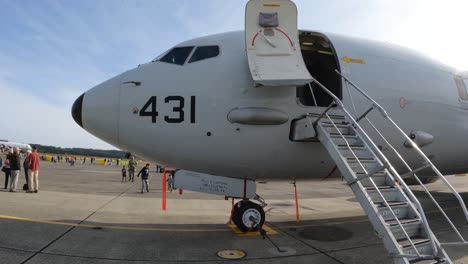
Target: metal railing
386 163
427 162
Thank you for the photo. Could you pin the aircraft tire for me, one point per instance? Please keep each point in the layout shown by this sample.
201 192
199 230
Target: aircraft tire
235 212
242 214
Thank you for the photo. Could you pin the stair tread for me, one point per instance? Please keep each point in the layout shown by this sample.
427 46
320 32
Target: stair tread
351 145
391 203
417 240
342 134
381 187
345 135
336 124
393 222
379 173
365 159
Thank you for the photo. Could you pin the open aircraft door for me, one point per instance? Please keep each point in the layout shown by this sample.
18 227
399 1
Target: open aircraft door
272 44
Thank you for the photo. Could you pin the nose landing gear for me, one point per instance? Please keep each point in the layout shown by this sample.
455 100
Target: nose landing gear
248 216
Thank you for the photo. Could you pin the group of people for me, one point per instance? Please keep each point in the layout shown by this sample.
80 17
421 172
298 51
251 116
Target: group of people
12 168
144 172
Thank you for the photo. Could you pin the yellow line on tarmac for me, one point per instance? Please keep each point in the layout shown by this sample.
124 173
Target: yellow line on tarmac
228 229
116 227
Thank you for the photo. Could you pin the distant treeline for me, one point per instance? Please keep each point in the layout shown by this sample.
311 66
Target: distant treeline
117 154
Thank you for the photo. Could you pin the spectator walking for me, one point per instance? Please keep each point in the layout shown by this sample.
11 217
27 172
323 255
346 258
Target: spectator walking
6 169
26 167
15 166
144 177
124 174
33 165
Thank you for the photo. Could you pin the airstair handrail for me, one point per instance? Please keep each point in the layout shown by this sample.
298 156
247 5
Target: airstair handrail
418 180
384 159
413 145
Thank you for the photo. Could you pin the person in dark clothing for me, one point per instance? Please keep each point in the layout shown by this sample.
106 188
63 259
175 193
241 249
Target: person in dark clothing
15 166
144 177
124 174
6 169
25 166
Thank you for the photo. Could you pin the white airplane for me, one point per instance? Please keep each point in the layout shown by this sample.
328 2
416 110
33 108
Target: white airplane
7 145
280 103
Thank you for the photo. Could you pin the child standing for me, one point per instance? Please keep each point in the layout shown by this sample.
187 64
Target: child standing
144 177
170 183
124 174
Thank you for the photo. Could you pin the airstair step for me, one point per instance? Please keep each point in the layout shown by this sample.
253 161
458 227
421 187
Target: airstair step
390 193
412 227
381 173
400 209
390 203
381 187
345 134
336 129
350 139
362 159
358 151
336 122
417 240
422 244
369 164
378 180
403 221
352 146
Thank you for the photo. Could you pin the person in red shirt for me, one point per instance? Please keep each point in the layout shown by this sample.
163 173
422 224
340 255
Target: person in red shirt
33 166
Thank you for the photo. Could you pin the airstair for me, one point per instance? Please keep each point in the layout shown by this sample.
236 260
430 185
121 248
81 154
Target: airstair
394 211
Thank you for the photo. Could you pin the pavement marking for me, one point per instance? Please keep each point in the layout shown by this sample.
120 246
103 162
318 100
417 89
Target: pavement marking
115 227
269 230
461 174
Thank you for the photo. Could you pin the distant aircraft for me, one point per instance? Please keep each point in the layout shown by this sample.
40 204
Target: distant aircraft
276 102
7 145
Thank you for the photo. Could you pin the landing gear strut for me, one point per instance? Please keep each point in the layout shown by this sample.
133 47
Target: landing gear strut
248 216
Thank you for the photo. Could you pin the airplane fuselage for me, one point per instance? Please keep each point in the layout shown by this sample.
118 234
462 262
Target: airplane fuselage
191 129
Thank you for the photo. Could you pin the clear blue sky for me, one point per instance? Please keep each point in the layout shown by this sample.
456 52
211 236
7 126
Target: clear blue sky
53 51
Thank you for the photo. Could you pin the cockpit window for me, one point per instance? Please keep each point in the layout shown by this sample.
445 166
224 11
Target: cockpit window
177 55
204 52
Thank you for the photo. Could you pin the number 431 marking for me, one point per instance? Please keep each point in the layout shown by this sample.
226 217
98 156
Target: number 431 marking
149 109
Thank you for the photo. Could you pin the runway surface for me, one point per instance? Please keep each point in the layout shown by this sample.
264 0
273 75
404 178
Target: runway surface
85 214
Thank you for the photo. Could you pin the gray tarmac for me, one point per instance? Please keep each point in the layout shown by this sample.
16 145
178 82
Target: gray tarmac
85 214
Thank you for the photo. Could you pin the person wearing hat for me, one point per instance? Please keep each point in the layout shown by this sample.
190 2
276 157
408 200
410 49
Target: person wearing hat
25 167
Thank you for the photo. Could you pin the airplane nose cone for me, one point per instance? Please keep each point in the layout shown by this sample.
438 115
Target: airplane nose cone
98 110
76 110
